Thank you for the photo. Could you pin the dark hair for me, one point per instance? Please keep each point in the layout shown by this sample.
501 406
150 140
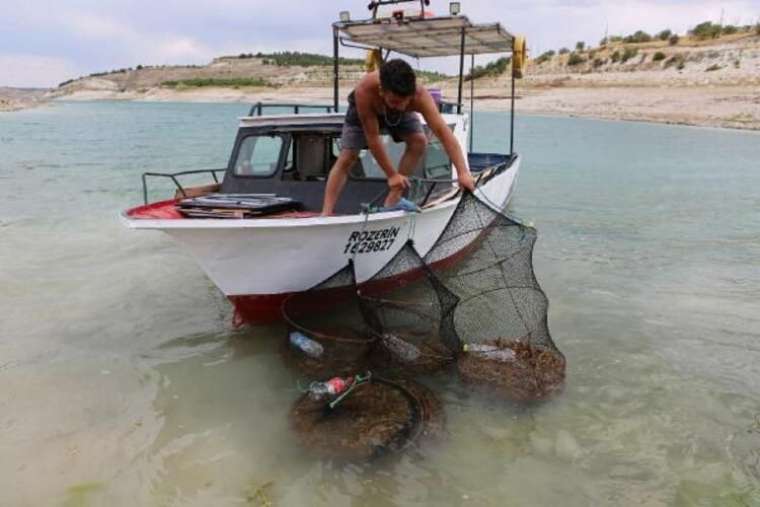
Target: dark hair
397 77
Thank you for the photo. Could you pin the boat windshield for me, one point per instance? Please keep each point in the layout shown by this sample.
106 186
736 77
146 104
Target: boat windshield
259 155
434 165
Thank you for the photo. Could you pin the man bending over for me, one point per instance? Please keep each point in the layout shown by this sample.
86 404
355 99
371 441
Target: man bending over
391 98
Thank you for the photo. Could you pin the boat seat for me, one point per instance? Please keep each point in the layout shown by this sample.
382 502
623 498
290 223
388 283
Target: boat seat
312 156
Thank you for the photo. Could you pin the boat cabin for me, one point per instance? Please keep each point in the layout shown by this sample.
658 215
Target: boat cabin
292 156
287 157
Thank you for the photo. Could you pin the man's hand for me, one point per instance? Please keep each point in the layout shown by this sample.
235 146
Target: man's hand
398 182
466 181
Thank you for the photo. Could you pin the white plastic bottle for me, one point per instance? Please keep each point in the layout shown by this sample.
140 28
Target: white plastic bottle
306 345
401 348
490 351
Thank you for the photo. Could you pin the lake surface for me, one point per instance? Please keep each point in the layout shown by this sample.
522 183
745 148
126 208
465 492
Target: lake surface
123 382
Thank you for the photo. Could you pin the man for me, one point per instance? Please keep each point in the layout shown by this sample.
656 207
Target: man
391 97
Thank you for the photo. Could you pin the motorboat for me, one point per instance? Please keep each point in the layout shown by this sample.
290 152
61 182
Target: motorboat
257 231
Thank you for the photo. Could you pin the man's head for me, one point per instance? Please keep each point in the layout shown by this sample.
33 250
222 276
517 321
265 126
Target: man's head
397 84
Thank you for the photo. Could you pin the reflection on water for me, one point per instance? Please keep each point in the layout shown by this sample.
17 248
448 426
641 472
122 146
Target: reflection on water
123 382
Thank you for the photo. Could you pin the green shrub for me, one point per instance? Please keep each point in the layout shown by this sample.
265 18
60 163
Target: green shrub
545 57
615 57
628 54
658 56
598 62
664 35
681 65
575 59
713 68
729 29
580 46
564 51
639 36
706 30
292 58
495 68
673 40
200 82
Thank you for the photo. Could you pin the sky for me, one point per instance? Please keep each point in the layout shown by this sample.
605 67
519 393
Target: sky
45 42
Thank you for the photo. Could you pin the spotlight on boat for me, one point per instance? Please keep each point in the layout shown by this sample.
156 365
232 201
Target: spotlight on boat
345 16
455 8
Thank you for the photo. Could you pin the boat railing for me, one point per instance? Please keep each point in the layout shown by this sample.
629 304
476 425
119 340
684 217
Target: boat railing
258 108
175 180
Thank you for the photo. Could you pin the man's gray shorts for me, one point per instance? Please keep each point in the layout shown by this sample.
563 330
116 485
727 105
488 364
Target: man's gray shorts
353 138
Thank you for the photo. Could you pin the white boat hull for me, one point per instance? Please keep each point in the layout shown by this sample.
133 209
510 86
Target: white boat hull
256 263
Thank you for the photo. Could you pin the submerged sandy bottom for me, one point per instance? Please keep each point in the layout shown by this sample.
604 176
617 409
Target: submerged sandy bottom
123 382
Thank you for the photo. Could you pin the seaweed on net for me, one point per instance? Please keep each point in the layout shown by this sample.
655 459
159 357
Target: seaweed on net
474 298
378 417
501 319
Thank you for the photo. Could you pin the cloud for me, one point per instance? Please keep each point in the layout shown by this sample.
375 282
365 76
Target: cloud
33 71
104 34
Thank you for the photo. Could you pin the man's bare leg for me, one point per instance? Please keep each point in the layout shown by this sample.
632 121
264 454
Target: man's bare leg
337 179
415 149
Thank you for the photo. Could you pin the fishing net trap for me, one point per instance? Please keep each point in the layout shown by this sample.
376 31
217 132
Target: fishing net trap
485 259
472 300
359 418
326 332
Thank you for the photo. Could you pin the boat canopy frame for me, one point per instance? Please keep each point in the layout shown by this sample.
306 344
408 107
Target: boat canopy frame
426 37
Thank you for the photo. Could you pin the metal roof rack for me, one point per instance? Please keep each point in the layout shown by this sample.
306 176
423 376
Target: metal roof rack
420 37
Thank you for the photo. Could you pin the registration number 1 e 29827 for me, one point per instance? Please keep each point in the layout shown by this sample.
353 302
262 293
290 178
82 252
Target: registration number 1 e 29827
366 241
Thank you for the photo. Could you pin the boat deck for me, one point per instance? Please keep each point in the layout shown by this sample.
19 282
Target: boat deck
169 210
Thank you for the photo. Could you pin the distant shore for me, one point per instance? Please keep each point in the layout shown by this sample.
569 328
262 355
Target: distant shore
711 83
15 99
734 107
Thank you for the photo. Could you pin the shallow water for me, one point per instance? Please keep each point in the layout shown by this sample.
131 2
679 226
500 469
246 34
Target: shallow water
124 383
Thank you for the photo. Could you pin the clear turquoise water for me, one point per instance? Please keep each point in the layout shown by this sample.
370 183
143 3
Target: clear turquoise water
123 382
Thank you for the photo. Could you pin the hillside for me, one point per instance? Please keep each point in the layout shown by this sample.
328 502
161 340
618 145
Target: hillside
690 79
267 76
711 82
13 99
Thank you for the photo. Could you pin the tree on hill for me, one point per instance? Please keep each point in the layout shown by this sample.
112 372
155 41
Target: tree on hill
580 46
495 68
545 57
665 34
288 58
575 59
638 37
706 30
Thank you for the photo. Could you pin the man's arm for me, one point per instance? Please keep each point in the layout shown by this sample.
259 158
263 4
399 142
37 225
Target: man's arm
371 128
436 123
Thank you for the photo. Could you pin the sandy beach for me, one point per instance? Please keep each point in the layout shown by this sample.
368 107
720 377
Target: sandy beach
735 107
